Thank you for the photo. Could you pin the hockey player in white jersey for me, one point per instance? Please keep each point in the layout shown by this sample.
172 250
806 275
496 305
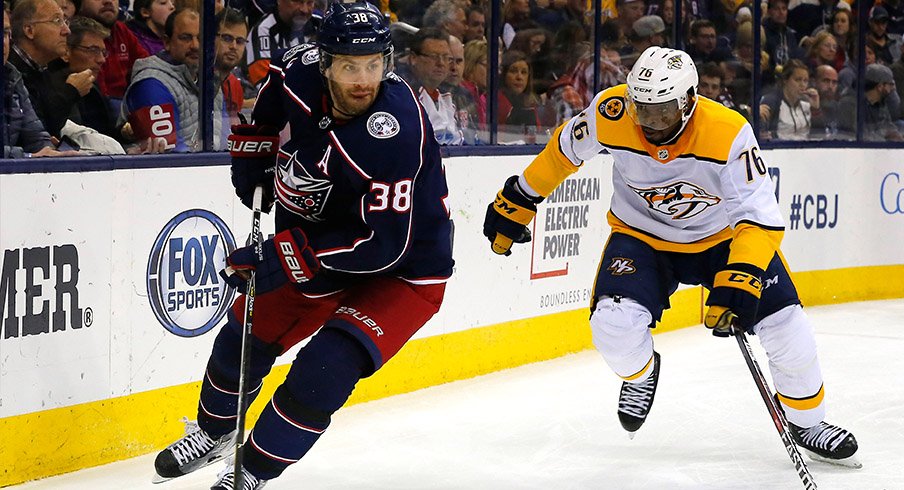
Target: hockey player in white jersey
693 203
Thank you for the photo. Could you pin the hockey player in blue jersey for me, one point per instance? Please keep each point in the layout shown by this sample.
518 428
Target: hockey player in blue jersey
359 193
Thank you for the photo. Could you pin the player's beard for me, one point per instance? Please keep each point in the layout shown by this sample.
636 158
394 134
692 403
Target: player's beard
347 105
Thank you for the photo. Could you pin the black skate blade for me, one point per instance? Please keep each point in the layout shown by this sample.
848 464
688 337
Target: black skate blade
848 462
160 479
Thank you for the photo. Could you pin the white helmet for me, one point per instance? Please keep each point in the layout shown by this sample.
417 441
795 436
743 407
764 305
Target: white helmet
662 87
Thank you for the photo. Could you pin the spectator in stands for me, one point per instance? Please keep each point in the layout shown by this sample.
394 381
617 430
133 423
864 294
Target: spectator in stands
895 9
781 41
518 114
844 28
712 86
465 103
39 32
703 43
122 46
291 23
887 46
232 34
25 135
741 79
516 15
69 8
823 50
474 77
629 11
897 70
572 92
428 69
805 18
162 103
786 112
536 43
665 9
148 20
847 76
476 26
880 126
447 16
84 104
825 120
647 31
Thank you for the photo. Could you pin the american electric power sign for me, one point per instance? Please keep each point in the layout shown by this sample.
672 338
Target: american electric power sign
185 291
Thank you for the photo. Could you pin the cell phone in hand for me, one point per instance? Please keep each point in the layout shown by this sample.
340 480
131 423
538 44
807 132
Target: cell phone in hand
66 144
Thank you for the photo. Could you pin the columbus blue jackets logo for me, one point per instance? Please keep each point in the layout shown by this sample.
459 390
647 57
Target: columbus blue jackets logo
382 125
681 200
300 192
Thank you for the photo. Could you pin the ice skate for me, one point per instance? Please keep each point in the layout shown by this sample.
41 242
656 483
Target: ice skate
827 443
225 480
636 399
196 449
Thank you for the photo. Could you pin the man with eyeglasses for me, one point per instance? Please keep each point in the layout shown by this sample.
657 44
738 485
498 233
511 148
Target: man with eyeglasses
232 31
77 97
122 45
428 68
161 104
39 32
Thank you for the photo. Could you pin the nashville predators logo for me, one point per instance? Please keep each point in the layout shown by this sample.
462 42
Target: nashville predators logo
621 266
681 200
299 192
675 62
612 108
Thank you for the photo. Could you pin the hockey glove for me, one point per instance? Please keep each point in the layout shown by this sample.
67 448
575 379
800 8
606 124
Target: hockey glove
734 298
253 150
508 216
287 257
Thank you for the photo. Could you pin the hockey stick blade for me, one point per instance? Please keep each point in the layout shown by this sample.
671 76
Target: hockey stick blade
778 417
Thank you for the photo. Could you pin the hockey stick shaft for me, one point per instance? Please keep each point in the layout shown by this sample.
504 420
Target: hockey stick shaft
778 417
253 239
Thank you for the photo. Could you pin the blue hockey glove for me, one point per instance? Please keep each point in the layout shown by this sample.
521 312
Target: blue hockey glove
734 298
253 150
287 257
508 216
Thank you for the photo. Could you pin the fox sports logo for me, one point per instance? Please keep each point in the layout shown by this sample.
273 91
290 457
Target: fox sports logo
186 293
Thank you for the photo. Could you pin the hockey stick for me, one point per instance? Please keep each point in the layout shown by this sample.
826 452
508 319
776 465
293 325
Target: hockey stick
253 239
778 417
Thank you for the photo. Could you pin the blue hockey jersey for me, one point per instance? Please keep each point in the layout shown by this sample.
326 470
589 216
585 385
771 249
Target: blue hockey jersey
370 192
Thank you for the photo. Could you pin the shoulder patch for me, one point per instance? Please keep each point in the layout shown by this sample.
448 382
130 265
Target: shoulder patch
612 108
382 125
310 57
295 49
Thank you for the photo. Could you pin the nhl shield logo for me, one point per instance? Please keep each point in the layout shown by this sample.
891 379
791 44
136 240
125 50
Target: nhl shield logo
382 125
663 154
675 62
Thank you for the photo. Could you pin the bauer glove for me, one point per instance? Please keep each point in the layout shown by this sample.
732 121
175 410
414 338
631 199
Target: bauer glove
734 298
253 150
287 257
508 216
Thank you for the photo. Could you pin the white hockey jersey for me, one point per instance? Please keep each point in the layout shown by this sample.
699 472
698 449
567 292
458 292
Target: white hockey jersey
709 185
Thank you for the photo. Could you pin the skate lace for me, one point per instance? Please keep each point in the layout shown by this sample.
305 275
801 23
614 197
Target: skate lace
635 398
249 481
824 436
195 443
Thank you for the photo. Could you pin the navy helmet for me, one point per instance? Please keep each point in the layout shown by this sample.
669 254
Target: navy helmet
354 29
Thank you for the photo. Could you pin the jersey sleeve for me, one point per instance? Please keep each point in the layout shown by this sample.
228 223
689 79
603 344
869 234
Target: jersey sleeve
571 144
753 212
269 108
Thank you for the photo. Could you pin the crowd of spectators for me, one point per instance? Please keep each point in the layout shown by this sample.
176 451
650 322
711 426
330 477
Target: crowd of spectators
106 76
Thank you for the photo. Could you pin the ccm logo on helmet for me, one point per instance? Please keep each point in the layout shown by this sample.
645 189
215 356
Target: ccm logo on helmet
289 257
364 40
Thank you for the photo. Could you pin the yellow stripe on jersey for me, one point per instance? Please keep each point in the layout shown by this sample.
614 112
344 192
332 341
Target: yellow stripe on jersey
752 244
550 168
616 130
619 226
639 373
807 403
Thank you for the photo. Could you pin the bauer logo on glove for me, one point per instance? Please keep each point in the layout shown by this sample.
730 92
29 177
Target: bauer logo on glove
287 257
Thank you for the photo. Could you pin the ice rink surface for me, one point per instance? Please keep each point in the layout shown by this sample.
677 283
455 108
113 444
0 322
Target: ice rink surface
553 424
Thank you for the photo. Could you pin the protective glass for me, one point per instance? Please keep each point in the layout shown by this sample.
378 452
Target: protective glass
360 70
657 117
